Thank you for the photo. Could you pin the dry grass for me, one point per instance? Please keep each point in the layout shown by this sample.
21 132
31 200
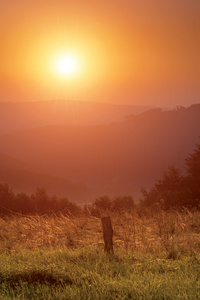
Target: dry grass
54 257
168 234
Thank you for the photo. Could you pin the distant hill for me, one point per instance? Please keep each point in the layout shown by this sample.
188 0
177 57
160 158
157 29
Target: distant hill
115 158
25 115
20 178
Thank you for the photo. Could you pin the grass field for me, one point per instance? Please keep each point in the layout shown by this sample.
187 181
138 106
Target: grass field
156 256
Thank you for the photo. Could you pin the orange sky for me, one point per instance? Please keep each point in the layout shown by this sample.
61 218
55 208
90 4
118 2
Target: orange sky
132 51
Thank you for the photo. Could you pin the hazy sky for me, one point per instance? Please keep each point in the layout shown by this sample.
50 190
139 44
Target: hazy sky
129 51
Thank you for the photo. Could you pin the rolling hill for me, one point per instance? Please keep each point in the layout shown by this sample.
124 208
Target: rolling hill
15 116
115 158
21 178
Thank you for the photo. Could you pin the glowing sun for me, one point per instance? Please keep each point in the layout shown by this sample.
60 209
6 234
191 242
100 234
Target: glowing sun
66 65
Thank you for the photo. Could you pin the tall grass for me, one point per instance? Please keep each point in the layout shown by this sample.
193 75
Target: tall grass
157 256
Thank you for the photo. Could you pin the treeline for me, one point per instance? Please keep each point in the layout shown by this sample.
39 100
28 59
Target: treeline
42 203
173 190
38 203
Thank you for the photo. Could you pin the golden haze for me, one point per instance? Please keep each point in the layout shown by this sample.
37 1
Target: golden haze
130 51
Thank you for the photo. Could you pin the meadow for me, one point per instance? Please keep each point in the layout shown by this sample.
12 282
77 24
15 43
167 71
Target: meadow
156 256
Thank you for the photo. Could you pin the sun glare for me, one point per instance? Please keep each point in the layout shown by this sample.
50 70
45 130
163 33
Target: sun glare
66 65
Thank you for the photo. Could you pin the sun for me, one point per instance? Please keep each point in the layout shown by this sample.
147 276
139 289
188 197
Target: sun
66 64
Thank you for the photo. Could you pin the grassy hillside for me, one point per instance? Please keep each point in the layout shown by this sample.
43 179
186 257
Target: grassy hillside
60 257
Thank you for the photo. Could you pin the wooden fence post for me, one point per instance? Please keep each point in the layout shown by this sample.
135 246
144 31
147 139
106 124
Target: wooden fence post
107 234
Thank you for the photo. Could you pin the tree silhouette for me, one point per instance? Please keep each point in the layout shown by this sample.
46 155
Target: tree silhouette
173 189
193 175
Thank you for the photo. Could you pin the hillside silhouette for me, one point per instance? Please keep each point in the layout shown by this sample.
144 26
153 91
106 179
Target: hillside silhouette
21 178
115 158
25 115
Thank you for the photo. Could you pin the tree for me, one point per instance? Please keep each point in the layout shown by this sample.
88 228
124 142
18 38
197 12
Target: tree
174 189
123 203
168 191
102 203
23 204
193 164
41 201
6 199
193 175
